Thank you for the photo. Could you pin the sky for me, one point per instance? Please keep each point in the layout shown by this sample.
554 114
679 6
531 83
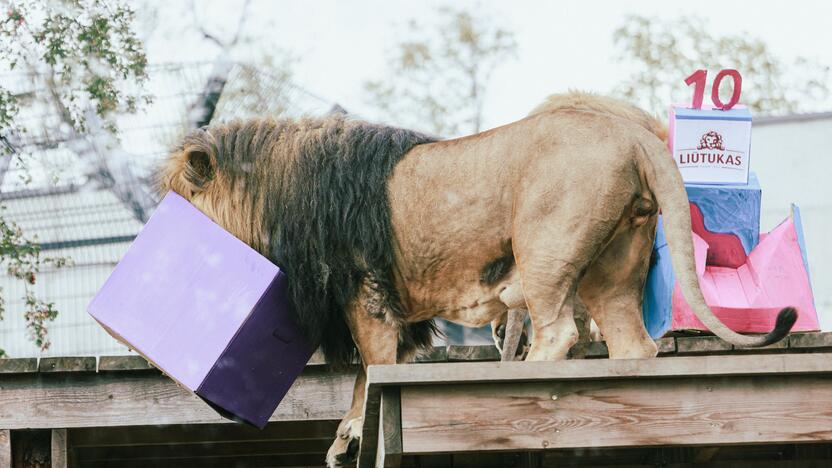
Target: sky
339 45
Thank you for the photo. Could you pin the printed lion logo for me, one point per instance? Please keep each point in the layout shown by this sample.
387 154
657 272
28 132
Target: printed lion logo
712 141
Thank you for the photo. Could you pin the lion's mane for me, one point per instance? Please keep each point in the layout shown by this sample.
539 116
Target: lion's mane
319 186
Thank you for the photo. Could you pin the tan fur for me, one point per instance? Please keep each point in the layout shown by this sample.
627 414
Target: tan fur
581 100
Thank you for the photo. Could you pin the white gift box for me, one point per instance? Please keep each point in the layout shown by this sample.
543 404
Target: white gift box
711 146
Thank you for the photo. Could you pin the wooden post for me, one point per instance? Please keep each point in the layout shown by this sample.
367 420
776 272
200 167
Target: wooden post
390 429
59 452
5 448
531 460
30 449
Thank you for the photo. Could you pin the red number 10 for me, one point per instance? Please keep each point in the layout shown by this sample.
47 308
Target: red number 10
698 78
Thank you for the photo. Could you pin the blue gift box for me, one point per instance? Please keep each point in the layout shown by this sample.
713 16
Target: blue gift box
728 218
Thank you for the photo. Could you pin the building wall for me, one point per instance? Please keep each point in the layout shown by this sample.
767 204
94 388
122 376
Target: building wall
77 217
793 160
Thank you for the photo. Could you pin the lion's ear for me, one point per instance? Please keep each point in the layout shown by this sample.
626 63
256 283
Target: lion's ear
200 168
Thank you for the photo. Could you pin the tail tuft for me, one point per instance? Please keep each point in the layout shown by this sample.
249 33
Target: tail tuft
785 321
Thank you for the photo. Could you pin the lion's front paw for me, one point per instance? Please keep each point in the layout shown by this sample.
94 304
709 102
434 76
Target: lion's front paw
344 449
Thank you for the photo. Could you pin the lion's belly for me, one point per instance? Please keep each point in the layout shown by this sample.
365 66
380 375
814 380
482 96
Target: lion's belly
470 303
477 316
463 309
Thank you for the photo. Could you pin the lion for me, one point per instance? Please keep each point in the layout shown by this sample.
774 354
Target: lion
380 230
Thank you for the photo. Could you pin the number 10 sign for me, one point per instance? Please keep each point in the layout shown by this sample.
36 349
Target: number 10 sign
711 145
698 78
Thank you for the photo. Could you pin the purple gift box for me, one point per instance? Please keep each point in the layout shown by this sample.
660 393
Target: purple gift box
207 310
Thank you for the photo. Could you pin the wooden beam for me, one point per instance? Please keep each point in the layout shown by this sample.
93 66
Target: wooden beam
5 448
434 354
390 432
209 461
67 364
810 340
59 448
702 345
83 399
370 430
629 412
128 436
473 353
492 372
705 454
598 349
123 363
756 464
18 366
217 448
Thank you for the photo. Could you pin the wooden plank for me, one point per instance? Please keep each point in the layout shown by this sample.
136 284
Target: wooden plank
705 454
781 345
215 448
127 399
492 460
59 448
5 448
18 366
123 363
810 340
127 436
530 460
317 358
757 464
666 345
208 461
435 354
390 433
436 461
492 372
370 433
473 353
597 349
620 413
701 345
664 456
67 364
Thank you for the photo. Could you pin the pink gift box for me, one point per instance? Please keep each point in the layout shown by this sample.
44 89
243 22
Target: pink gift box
747 298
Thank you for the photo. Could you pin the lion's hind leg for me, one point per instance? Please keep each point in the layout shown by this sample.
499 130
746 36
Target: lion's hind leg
555 241
550 285
377 342
613 291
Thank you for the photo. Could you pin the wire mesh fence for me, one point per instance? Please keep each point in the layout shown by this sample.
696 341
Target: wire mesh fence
85 197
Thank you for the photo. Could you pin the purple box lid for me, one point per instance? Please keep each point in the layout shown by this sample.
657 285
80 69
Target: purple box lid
206 309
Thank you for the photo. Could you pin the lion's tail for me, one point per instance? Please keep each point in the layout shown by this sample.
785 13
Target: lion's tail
666 183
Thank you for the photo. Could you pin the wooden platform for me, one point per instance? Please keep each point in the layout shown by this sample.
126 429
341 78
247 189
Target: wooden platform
702 401
535 406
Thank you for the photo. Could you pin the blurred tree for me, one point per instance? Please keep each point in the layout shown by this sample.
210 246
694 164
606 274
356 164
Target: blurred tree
663 53
440 73
265 72
94 67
